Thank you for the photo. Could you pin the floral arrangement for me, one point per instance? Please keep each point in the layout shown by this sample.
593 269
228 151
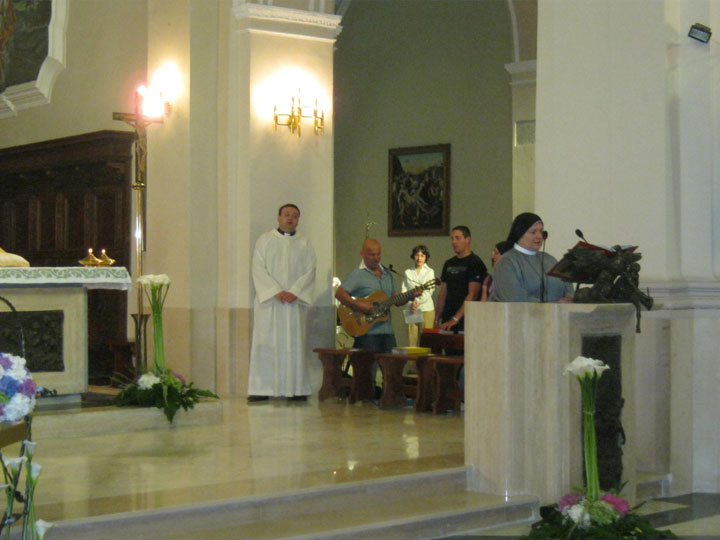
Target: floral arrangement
17 389
17 401
161 388
592 513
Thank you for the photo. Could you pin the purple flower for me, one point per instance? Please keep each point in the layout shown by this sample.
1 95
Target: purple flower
180 378
5 361
571 499
620 504
17 386
28 388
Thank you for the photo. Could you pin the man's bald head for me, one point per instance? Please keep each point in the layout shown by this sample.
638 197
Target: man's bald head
371 253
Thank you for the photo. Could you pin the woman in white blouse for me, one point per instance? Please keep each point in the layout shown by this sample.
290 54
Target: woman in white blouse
420 313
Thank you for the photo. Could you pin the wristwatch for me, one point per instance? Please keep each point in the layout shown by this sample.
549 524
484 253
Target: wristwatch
455 319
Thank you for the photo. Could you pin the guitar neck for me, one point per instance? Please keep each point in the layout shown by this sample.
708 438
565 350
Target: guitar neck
400 299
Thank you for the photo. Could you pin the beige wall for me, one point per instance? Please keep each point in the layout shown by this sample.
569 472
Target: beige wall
413 74
602 128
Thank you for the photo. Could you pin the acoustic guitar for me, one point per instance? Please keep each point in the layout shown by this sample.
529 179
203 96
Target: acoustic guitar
357 323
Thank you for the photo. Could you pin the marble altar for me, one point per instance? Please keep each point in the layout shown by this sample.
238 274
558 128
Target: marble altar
63 289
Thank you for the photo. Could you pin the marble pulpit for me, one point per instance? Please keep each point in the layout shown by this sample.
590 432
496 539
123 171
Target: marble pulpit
522 415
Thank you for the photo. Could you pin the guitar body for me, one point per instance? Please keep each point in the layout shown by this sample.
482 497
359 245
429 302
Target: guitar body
357 323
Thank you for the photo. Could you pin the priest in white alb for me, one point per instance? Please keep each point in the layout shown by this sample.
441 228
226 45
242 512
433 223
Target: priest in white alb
283 270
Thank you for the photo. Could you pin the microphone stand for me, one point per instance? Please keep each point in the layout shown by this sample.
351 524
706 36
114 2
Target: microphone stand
390 267
542 269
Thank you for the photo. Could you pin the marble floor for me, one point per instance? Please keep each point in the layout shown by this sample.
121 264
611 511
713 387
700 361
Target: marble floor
272 447
262 448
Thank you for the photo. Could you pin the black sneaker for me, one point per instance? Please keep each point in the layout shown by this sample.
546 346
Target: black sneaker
255 399
297 398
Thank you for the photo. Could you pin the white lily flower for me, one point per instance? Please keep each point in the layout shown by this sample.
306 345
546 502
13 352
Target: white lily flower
41 526
14 464
35 470
155 280
29 448
583 367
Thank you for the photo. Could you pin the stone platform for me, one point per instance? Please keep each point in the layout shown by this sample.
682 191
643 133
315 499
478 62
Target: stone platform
91 414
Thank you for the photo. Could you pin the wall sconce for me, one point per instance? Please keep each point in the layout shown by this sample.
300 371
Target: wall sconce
700 32
293 119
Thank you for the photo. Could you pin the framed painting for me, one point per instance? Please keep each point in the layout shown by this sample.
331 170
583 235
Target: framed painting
419 191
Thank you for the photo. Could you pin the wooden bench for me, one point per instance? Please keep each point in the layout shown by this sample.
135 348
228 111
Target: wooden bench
448 395
395 387
361 385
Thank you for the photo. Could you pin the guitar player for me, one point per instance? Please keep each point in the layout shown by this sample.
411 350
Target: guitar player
367 278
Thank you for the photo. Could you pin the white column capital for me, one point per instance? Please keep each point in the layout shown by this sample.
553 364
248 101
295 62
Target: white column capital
286 21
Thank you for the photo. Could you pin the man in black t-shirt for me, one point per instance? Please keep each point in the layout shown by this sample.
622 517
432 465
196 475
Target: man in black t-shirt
462 277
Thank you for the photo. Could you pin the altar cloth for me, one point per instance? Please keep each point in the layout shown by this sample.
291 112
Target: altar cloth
89 277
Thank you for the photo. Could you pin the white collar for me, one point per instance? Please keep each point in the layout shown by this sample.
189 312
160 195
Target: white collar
363 267
524 250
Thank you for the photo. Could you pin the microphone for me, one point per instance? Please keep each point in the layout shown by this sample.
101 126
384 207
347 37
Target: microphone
545 235
579 233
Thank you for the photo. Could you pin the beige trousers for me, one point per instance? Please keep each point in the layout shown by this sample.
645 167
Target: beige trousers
415 329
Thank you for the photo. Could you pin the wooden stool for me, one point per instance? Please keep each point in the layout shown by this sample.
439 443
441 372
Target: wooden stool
393 394
439 342
396 389
447 393
425 384
361 386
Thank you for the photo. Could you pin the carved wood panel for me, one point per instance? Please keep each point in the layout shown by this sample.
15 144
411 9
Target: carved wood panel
60 197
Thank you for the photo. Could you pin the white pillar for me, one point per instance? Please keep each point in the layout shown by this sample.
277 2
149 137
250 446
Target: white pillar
273 53
627 141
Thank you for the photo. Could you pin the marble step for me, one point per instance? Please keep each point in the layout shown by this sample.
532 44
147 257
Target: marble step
652 485
423 505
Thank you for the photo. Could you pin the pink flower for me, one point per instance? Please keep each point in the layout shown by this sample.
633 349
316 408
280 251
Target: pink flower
571 499
620 504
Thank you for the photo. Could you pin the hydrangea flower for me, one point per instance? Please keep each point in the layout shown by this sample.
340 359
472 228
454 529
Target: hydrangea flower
620 504
571 499
17 389
147 381
579 514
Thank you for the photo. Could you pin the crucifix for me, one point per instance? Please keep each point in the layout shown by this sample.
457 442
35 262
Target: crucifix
139 122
